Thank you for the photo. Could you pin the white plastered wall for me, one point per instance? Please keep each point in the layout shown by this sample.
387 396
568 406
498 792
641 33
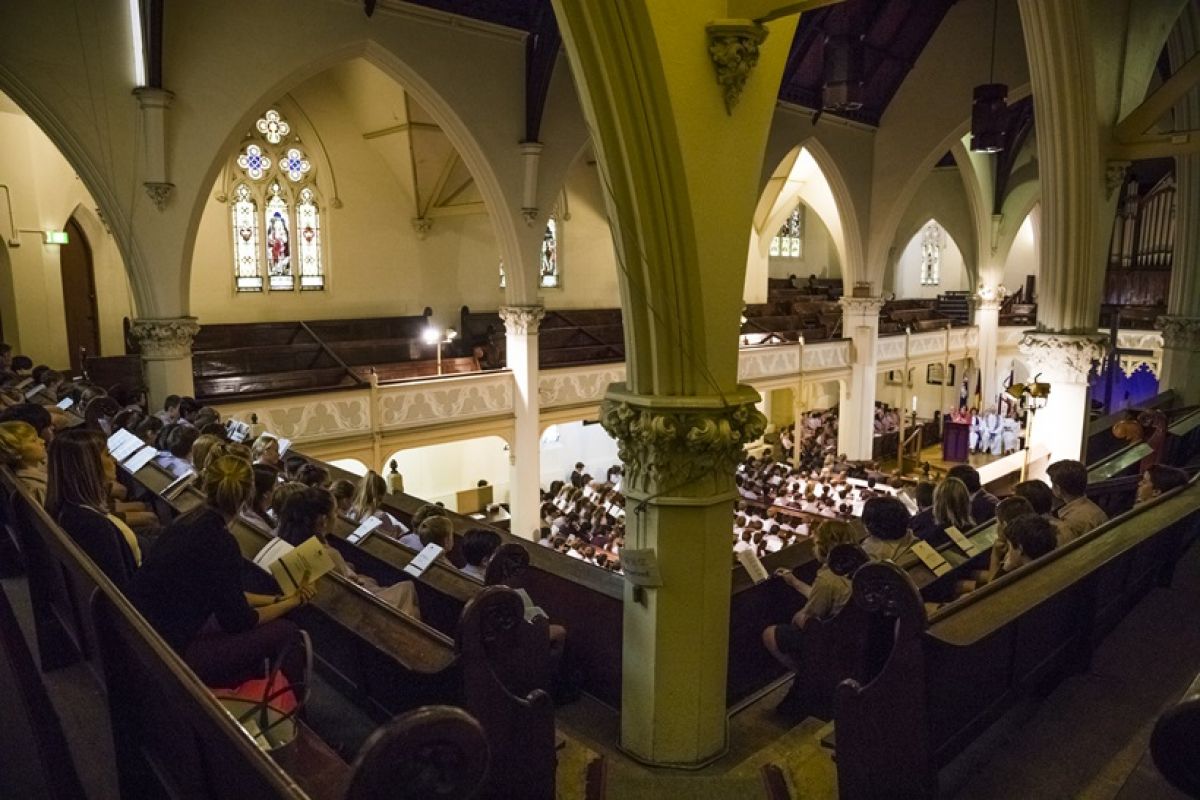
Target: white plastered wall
952 273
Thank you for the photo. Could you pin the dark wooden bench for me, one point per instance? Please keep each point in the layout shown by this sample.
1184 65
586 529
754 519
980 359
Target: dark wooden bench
1175 742
949 675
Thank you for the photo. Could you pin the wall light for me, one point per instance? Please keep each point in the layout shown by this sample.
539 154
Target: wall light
55 237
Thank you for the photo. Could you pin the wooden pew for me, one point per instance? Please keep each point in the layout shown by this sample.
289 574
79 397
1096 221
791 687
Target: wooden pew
387 661
1101 442
1175 742
949 675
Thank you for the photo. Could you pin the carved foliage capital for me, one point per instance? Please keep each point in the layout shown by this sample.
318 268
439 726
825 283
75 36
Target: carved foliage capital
1179 333
733 47
1063 357
1114 176
679 451
159 192
522 320
862 305
161 339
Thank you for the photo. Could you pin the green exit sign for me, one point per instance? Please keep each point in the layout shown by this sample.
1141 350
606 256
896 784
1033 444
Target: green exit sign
56 237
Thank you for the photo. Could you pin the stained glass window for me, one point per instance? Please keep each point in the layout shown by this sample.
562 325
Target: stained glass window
275 178
548 277
308 224
245 240
278 240
789 241
931 254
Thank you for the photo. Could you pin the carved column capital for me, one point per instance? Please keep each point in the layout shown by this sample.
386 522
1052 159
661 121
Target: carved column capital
861 305
1063 357
679 450
1114 176
989 298
522 320
1179 333
165 339
733 47
158 192
422 226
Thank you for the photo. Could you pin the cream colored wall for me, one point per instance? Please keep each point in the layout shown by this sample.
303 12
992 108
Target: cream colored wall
952 275
45 193
437 472
940 196
819 256
1023 257
587 258
930 396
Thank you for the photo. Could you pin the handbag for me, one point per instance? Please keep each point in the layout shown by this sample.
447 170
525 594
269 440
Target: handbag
266 707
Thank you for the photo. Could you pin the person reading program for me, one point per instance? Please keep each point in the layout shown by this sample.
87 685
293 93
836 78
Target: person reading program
190 589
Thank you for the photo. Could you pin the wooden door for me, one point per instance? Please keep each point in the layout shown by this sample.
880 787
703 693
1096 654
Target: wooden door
79 295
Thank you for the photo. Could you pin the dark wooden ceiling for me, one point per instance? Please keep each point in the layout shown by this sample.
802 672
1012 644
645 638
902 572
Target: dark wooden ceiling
893 32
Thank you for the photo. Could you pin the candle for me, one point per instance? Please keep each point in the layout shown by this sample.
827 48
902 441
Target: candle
914 404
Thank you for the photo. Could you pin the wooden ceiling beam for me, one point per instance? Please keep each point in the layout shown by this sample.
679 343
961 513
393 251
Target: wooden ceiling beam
1154 107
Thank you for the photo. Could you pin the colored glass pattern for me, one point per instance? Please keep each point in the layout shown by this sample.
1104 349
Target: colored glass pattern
245 240
308 224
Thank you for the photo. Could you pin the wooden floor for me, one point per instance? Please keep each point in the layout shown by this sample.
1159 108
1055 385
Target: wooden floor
933 456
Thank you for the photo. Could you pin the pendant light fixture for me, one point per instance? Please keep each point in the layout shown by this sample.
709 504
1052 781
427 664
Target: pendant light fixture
989 109
845 54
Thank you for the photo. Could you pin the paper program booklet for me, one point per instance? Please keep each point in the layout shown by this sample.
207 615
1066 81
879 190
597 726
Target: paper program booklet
310 556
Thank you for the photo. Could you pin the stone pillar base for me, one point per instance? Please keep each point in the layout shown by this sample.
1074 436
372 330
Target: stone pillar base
166 350
679 455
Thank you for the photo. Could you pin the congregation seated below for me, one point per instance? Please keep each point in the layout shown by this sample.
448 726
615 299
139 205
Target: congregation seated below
585 522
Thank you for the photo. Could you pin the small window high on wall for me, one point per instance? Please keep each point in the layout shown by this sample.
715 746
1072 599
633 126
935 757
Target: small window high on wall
275 211
789 242
933 239
549 276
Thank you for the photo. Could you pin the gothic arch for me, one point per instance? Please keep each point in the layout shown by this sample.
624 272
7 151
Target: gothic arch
452 124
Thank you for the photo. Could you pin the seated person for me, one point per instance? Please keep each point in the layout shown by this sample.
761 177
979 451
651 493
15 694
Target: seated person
1159 479
886 520
313 475
170 410
313 512
190 589
77 498
24 452
204 443
478 546
176 457
1029 538
983 502
922 524
343 493
825 597
1078 514
257 511
266 450
280 496
367 502
951 509
412 538
37 416
1007 510
505 568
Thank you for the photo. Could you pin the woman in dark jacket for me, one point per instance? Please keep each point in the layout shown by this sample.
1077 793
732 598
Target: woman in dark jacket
190 588
77 497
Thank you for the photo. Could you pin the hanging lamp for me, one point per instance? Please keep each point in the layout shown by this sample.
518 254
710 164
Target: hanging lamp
989 108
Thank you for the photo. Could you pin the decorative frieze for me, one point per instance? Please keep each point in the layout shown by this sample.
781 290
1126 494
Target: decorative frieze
680 447
861 306
522 320
1063 357
1179 333
164 339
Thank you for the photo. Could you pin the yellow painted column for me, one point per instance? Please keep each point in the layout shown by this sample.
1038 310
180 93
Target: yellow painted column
679 99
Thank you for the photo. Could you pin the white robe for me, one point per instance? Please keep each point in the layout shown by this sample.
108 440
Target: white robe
1010 435
991 432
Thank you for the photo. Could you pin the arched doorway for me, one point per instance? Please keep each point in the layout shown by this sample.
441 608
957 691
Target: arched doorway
79 295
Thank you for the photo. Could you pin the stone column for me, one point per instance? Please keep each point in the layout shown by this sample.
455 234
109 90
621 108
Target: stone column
856 409
1076 213
1181 325
1063 362
987 320
1181 354
679 455
521 338
166 348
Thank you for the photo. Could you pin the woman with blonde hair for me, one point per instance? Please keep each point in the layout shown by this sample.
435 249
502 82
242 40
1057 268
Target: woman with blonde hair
77 497
951 509
825 596
24 452
368 498
190 588
265 450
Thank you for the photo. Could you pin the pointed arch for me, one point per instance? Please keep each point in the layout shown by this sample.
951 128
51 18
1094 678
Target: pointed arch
808 175
930 262
439 107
